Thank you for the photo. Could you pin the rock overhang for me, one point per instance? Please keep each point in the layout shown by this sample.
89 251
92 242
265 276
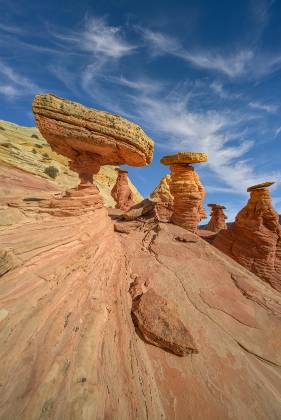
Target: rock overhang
71 129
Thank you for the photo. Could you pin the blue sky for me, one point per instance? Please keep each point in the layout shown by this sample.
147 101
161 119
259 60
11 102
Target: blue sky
196 75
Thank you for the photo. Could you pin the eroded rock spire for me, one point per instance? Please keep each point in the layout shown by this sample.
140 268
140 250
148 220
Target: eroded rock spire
186 188
218 218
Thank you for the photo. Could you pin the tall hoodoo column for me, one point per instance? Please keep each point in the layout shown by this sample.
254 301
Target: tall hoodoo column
186 188
89 138
254 239
121 191
218 218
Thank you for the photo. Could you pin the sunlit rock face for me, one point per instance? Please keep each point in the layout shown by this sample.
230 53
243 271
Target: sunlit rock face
121 191
254 239
90 139
218 218
186 189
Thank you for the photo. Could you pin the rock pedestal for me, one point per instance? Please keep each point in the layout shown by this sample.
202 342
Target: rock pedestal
121 191
218 218
186 188
89 138
254 239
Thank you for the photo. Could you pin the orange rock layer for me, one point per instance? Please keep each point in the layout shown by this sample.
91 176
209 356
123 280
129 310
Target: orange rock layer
218 218
254 240
121 191
188 193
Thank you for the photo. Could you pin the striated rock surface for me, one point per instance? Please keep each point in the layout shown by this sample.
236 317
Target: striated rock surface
218 218
90 139
121 191
150 209
159 323
25 157
69 348
254 239
162 192
186 188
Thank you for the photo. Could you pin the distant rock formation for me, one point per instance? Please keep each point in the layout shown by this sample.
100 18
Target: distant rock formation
254 239
162 192
218 218
121 191
90 139
186 188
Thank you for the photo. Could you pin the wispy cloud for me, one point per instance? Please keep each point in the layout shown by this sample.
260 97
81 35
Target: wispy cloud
220 134
277 132
99 38
232 65
13 84
272 109
11 29
219 90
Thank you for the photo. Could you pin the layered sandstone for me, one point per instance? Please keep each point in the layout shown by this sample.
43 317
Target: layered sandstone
186 188
121 191
25 159
70 347
162 192
254 239
89 138
218 218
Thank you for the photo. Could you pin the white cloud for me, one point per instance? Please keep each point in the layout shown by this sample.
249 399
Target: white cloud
220 91
100 39
217 133
13 84
277 132
232 65
264 107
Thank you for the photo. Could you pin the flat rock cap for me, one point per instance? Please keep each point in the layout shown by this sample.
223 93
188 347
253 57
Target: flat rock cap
184 157
71 129
260 186
216 206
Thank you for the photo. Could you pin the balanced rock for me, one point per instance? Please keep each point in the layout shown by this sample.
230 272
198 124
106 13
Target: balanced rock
89 138
217 221
160 325
121 191
254 239
186 188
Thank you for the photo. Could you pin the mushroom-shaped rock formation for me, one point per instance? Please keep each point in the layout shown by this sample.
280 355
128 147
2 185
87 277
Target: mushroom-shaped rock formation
186 188
121 191
89 138
218 218
254 239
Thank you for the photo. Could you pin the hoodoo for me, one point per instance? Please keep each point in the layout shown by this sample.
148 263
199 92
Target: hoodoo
89 138
121 191
254 239
218 218
186 188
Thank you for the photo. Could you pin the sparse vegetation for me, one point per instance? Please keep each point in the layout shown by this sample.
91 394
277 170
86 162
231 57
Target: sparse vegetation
34 136
34 151
2 128
38 145
51 171
46 156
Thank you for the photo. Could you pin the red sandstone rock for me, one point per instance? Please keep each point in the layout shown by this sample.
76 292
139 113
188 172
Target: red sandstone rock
89 138
254 240
186 189
69 349
159 323
121 191
217 221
